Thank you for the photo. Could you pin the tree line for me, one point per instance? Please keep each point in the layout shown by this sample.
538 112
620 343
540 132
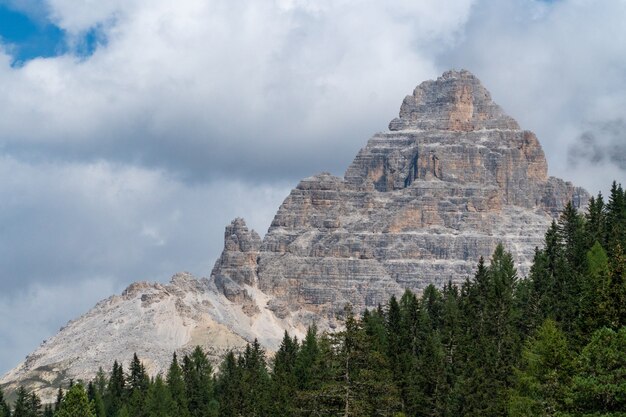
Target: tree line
553 344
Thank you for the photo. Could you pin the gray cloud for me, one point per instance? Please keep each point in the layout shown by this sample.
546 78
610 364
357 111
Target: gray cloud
127 164
603 143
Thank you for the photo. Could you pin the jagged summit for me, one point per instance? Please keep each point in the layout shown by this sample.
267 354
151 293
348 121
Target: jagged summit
420 204
456 101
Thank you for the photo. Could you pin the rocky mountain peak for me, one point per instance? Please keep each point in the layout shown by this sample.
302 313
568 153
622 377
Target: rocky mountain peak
419 205
236 267
456 101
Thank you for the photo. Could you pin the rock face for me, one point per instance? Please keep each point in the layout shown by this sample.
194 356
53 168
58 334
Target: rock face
451 178
153 320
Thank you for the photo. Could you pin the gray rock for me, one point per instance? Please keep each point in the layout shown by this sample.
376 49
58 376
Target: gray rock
453 177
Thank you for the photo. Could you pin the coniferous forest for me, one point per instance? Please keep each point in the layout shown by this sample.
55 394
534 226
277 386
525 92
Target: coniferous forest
553 344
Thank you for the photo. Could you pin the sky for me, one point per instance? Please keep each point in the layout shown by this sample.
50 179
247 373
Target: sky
133 131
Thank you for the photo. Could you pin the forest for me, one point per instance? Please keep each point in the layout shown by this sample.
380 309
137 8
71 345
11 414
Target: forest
552 344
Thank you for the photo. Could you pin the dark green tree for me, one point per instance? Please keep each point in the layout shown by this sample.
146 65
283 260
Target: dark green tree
96 399
197 374
599 384
255 381
5 410
20 407
284 381
545 372
307 356
59 399
159 401
229 387
76 404
116 390
176 386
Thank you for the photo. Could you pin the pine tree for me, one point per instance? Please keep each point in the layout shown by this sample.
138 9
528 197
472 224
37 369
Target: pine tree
20 407
598 386
616 218
96 399
595 225
76 404
255 381
597 308
116 388
48 411
5 410
306 359
284 379
545 372
34 405
137 387
176 386
492 341
228 387
100 382
159 401
197 374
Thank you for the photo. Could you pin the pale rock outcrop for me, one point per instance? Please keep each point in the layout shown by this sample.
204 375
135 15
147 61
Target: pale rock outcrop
451 178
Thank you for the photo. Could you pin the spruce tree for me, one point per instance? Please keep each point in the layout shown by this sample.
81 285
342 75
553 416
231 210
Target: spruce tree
284 379
21 406
306 359
137 387
96 399
176 386
255 381
5 410
545 372
59 399
197 374
229 387
76 404
116 388
34 405
598 386
159 401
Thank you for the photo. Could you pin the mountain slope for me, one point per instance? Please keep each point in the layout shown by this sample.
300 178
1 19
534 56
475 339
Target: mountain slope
451 178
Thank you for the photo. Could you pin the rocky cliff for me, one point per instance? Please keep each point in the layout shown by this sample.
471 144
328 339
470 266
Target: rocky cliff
451 178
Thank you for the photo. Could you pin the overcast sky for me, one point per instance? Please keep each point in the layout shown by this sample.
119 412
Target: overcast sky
133 131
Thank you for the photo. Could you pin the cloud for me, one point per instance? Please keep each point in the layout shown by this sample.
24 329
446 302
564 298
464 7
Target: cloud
603 143
85 230
554 66
224 88
125 164
68 222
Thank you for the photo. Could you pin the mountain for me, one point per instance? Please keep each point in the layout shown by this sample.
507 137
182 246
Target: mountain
451 178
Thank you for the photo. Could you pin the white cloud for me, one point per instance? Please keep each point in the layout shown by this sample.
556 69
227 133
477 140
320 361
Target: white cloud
127 164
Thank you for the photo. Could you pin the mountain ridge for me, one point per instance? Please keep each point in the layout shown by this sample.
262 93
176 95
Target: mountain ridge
452 177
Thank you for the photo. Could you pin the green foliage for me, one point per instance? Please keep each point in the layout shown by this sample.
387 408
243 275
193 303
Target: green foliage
115 395
544 374
76 404
5 410
197 374
553 344
599 385
159 401
176 387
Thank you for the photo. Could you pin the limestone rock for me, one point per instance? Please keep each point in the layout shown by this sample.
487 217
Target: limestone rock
453 177
152 320
419 204
237 265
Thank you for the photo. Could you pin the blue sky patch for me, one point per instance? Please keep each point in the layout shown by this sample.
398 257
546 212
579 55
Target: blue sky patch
26 38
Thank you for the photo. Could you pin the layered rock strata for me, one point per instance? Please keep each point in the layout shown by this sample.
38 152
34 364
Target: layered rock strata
451 178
